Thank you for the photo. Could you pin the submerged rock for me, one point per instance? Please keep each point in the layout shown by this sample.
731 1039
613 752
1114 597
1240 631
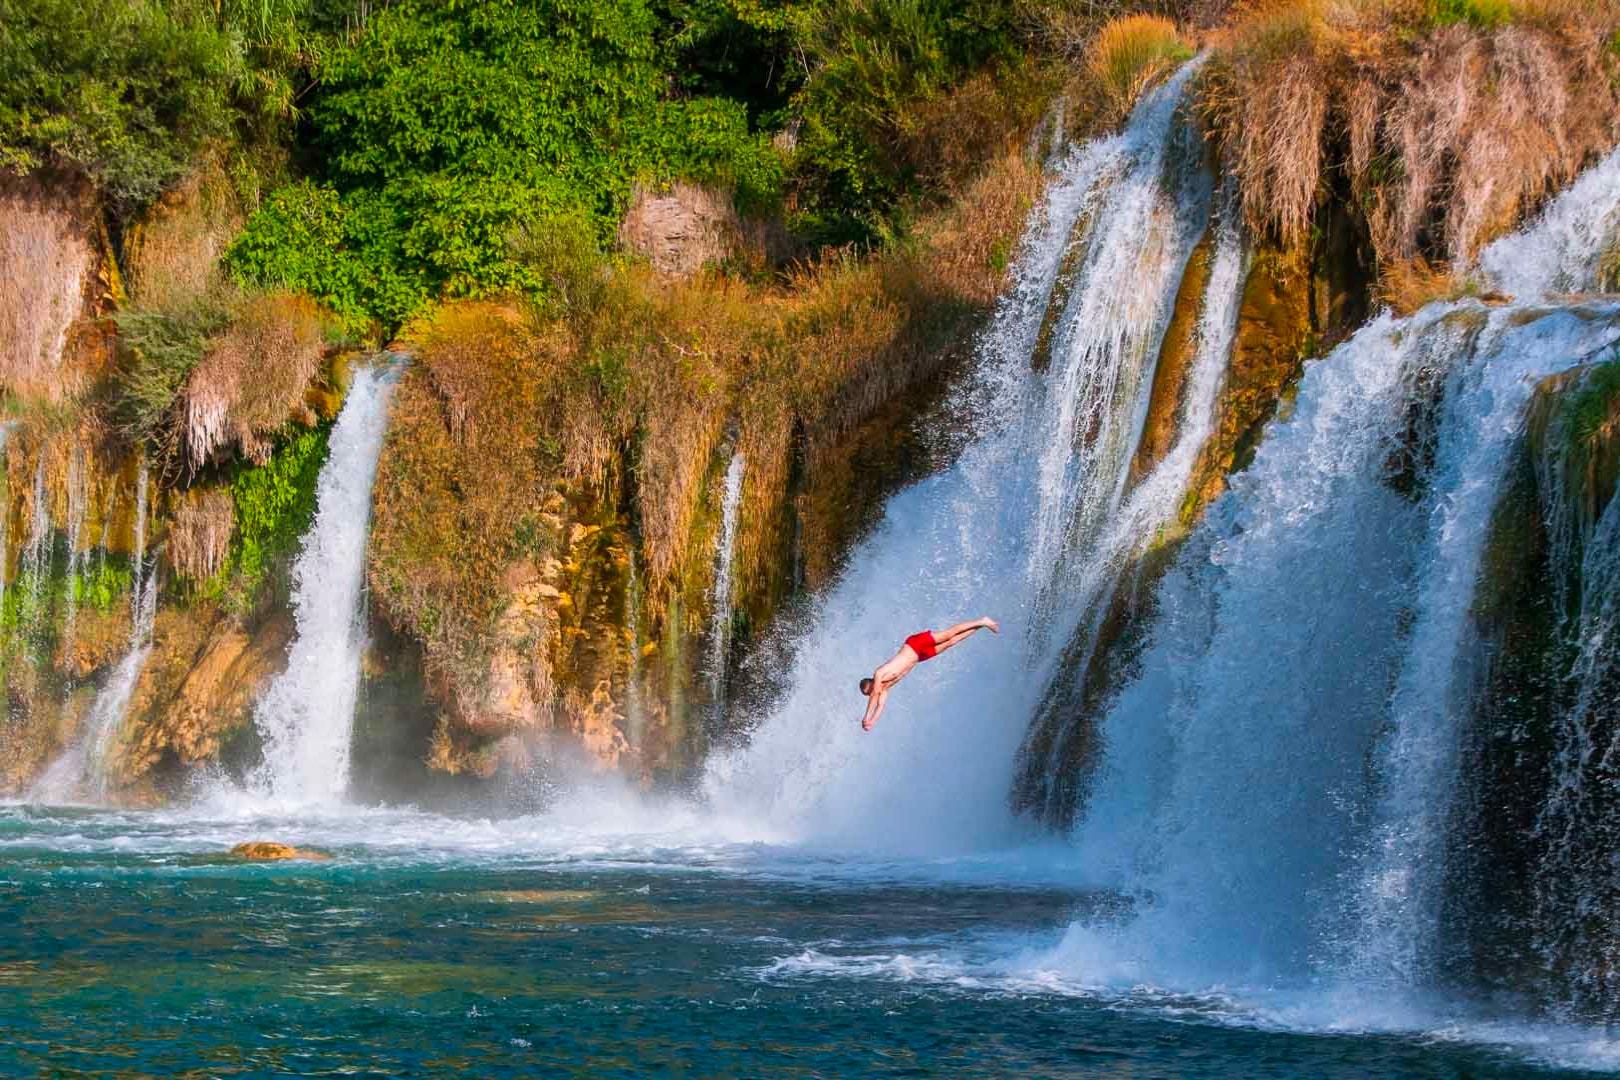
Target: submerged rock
270 851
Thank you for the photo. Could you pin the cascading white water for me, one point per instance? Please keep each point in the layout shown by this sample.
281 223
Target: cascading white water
1276 783
5 516
85 768
37 553
720 600
1012 521
306 715
1147 223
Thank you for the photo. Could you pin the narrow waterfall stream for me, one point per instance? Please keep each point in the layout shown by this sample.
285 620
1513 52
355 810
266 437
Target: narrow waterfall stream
306 715
82 771
720 602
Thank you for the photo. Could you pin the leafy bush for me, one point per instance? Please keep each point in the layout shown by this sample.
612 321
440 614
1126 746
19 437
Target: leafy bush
875 64
446 130
274 504
131 90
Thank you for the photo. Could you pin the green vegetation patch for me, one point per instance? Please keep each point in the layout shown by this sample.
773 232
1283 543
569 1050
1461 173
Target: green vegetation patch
131 91
274 505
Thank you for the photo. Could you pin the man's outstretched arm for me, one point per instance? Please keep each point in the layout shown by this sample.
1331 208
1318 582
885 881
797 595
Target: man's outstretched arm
874 705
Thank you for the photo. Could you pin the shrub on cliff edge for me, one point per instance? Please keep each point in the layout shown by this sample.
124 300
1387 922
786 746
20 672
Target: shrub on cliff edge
1449 125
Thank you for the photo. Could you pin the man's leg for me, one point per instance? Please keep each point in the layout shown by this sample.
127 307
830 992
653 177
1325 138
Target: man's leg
944 639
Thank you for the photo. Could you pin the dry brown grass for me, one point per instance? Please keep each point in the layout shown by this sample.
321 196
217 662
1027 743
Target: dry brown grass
253 378
199 533
171 255
1450 131
1130 53
1405 285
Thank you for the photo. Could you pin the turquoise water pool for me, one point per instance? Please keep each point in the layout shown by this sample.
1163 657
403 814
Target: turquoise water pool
428 946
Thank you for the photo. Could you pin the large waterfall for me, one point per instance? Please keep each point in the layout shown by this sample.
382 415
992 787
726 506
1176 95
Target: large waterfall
1280 784
306 715
1021 528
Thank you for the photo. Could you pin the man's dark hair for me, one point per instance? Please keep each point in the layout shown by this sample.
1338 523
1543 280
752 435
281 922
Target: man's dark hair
866 687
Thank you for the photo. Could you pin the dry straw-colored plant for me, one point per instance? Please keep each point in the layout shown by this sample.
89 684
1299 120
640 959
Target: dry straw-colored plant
1128 54
1453 119
253 378
199 536
48 259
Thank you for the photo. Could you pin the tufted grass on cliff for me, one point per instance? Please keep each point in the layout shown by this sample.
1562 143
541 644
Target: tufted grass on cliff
1450 119
1131 52
216 374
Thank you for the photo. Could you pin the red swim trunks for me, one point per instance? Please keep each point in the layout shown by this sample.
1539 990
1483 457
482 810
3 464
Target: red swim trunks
922 643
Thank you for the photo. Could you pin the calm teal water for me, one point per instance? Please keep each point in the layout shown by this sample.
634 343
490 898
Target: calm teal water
129 945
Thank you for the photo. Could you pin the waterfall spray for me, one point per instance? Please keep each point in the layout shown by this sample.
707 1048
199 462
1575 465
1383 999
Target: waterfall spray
306 715
1011 528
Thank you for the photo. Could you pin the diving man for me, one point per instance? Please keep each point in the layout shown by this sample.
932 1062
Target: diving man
923 645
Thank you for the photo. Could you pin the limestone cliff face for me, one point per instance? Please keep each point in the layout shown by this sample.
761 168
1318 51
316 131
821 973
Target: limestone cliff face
59 274
87 516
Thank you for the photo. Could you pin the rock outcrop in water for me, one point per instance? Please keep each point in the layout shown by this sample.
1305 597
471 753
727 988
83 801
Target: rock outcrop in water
272 851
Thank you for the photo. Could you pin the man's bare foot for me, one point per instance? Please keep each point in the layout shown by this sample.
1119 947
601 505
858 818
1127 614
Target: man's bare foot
991 625
866 725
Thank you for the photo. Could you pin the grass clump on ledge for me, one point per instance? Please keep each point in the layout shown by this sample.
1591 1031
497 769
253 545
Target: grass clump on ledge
1446 120
1130 53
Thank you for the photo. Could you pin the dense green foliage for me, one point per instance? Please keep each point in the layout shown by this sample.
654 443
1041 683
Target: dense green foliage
436 138
875 64
131 91
447 129
274 504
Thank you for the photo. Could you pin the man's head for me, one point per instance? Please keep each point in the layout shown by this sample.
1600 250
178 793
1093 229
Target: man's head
866 687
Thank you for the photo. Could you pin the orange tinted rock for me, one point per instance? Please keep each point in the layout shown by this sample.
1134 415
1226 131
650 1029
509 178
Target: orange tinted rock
271 851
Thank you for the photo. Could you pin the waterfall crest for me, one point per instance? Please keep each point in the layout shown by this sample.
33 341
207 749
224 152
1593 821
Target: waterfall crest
306 715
